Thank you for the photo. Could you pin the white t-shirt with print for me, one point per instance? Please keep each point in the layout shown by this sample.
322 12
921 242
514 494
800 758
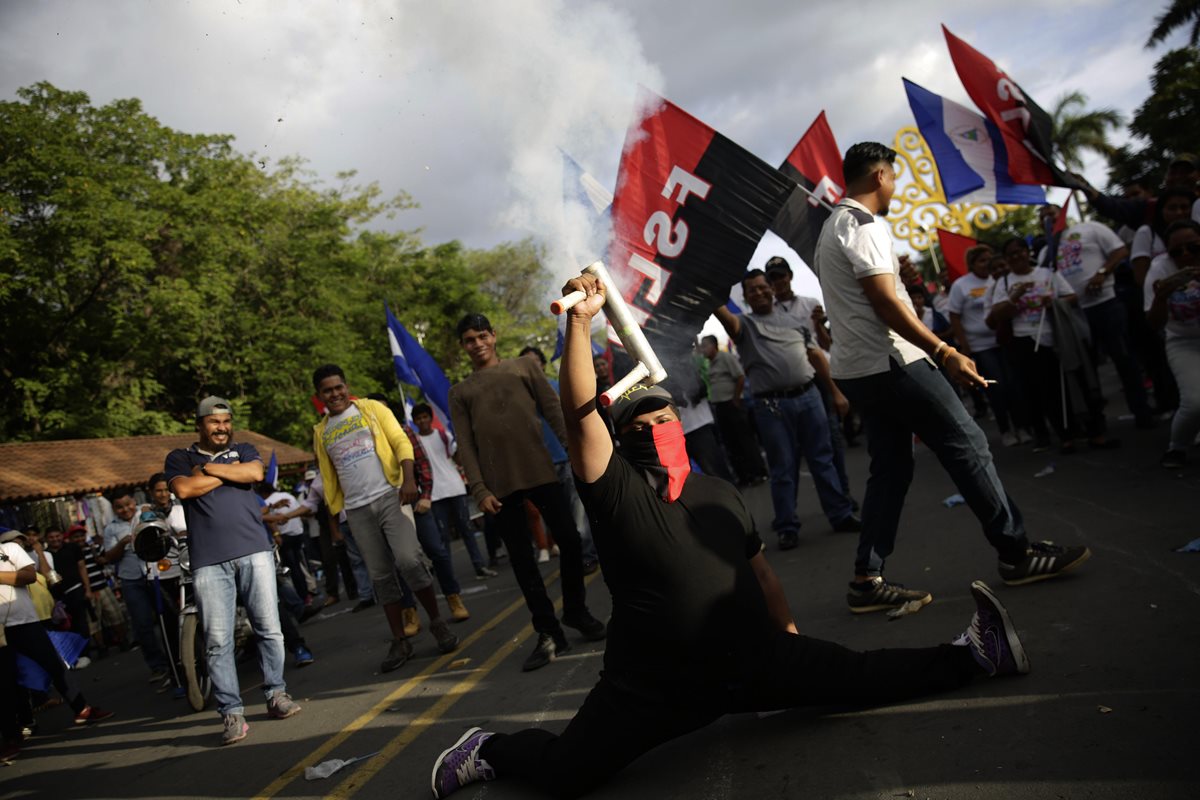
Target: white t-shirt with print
969 299
447 482
351 448
1082 251
16 606
1183 305
856 244
1047 285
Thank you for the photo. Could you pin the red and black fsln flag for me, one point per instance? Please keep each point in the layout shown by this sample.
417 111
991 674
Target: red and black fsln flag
815 163
688 213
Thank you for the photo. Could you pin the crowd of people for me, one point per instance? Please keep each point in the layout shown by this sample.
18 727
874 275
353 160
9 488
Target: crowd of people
646 489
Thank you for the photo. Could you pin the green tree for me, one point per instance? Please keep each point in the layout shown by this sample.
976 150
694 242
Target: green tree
1166 123
1021 221
142 268
1179 14
1076 129
514 275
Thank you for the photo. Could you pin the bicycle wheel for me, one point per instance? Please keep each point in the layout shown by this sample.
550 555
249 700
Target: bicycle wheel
195 667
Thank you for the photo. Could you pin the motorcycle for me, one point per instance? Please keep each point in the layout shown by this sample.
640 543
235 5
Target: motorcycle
156 544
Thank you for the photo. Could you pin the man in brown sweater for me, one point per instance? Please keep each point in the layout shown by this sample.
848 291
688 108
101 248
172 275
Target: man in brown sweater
495 412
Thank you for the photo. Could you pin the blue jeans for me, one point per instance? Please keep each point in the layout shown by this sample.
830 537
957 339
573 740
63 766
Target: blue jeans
429 534
218 588
139 598
451 512
916 399
791 427
362 577
836 437
1110 332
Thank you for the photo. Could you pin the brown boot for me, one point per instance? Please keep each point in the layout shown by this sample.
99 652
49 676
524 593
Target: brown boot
412 622
458 612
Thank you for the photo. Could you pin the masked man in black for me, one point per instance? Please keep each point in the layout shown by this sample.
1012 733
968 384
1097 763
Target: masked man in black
682 558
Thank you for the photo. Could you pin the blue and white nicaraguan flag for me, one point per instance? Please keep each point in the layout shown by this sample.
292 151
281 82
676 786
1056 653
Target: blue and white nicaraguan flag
969 151
416 367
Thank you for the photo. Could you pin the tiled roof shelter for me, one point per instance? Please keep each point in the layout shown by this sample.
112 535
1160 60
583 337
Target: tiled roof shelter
37 470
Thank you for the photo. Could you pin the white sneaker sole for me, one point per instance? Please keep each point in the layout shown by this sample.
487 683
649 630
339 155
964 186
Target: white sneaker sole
979 589
437 764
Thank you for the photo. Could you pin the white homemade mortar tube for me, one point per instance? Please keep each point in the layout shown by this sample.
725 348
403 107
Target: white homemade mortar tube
648 368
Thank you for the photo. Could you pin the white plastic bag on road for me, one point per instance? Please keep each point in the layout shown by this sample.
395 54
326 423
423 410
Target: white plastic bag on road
327 768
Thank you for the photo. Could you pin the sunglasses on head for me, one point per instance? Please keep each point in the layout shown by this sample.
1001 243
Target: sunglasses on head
1191 248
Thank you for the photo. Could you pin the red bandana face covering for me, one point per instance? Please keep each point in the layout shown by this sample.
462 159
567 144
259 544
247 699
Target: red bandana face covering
660 452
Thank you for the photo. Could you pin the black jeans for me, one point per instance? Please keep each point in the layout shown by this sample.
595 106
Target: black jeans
291 553
915 399
1110 333
619 722
10 697
740 442
514 530
32 641
334 558
1041 380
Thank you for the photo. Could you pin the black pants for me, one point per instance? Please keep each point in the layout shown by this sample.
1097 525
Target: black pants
617 724
1040 379
77 606
335 558
514 530
291 553
32 641
740 442
168 617
10 692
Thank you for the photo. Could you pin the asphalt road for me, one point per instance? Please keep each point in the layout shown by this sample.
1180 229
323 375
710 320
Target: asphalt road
1109 709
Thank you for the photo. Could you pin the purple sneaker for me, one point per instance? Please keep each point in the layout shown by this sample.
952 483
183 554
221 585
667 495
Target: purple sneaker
992 638
461 764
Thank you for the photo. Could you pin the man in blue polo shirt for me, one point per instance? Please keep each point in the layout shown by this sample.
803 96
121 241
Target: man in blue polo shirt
231 558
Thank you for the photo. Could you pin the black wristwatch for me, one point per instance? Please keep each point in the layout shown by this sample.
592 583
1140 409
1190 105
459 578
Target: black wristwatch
204 470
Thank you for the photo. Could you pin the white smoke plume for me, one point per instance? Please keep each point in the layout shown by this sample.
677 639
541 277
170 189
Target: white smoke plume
548 75
464 105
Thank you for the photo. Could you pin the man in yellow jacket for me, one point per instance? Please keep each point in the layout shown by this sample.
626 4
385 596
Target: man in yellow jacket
365 457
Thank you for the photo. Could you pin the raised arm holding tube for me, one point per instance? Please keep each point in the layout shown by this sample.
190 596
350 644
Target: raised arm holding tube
588 442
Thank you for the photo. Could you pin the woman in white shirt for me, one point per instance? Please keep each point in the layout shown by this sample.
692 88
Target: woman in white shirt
1022 298
1174 203
1172 293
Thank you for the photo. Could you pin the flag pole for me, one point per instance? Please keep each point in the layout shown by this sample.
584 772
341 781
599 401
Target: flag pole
933 253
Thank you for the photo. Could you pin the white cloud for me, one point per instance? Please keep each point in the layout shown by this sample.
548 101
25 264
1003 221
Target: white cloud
464 104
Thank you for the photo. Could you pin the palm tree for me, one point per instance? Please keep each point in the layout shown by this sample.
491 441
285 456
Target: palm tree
1178 15
1076 129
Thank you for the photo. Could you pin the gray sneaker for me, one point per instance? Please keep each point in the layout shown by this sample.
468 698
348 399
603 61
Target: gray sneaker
281 706
447 642
235 729
400 651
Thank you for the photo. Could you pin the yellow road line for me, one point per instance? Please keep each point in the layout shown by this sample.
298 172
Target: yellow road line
368 770
315 757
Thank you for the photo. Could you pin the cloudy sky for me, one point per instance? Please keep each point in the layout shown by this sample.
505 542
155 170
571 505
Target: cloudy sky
465 104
